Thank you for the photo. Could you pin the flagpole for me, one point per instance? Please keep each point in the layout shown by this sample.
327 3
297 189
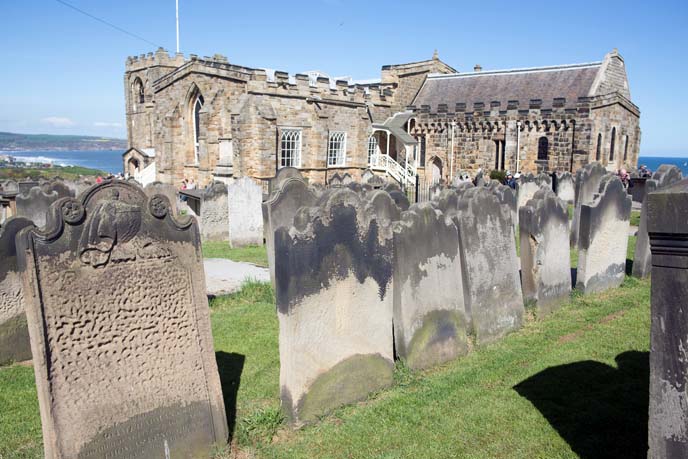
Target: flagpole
177 14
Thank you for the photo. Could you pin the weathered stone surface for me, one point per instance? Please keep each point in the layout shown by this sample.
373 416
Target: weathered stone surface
120 329
400 199
642 257
9 188
565 188
59 187
279 211
492 288
526 186
283 174
335 180
34 205
245 214
587 185
169 191
603 238
14 334
333 273
430 322
668 414
214 218
545 263
507 198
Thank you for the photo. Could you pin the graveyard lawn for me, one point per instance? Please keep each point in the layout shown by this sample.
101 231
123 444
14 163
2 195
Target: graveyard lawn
256 254
574 384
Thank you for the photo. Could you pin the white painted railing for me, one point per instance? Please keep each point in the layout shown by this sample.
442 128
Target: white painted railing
405 175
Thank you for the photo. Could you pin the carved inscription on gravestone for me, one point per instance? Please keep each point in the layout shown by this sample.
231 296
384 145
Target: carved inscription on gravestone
120 330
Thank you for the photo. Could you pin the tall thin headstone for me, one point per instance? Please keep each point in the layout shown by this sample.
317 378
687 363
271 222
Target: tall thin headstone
214 218
668 414
120 329
587 184
245 198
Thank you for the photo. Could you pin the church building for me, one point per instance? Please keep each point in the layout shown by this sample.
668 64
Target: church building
208 119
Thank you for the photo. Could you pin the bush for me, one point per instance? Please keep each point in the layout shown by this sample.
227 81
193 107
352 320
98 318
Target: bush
498 175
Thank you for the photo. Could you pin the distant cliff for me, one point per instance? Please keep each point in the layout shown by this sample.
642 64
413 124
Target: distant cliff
47 142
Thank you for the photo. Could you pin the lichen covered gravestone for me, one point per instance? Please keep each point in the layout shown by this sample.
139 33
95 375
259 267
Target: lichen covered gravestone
279 210
429 315
642 257
14 334
120 329
334 302
565 188
668 414
492 288
603 238
245 198
544 237
34 204
214 218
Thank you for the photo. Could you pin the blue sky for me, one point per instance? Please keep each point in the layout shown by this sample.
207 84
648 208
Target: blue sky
62 72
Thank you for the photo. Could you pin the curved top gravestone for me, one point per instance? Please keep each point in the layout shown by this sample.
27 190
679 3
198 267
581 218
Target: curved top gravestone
283 174
667 174
59 187
34 205
120 329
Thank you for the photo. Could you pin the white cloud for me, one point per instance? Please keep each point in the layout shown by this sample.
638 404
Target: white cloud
104 124
58 121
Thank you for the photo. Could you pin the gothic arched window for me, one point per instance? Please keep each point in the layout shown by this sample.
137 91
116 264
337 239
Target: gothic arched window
373 150
611 145
196 107
138 92
543 149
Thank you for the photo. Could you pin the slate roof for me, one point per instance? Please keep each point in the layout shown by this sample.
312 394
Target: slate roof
395 125
544 83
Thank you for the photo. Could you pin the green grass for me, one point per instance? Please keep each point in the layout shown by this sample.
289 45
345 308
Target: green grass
256 254
566 386
66 172
635 217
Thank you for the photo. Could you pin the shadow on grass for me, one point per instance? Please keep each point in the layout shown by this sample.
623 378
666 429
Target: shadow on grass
629 266
230 366
599 410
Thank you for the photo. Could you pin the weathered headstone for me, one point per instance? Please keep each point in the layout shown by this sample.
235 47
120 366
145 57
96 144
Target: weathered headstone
120 329
347 179
34 205
642 257
545 263
507 198
603 238
430 320
59 187
334 302
526 186
245 215
492 288
26 185
165 189
479 179
283 174
565 189
14 334
587 184
668 414
279 211
400 199
543 180
214 216
335 180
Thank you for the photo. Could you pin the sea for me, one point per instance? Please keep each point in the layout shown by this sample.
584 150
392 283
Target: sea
105 160
111 161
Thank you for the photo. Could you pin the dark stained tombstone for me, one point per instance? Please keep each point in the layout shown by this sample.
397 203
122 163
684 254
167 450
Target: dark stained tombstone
355 186
565 188
492 288
391 187
479 179
430 323
544 180
603 238
120 329
14 334
26 185
507 198
34 205
545 259
214 218
283 174
668 414
333 273
279 211
587 184
59 187
642 257
400 199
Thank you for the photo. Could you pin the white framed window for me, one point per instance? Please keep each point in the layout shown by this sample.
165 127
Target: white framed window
290 148
336 149
373 150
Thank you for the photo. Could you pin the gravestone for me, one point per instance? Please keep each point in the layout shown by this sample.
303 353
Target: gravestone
165 189
400 199
26 185
587 184
545 258
34 205
333 277
120 329
335 180
507 198
479 179
214 218
603 238
565 189
668 413
642 257
543 180
9 188
347 179
526 186
245 214
59 187
283 174
14 334
430 321
279 211
492 288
